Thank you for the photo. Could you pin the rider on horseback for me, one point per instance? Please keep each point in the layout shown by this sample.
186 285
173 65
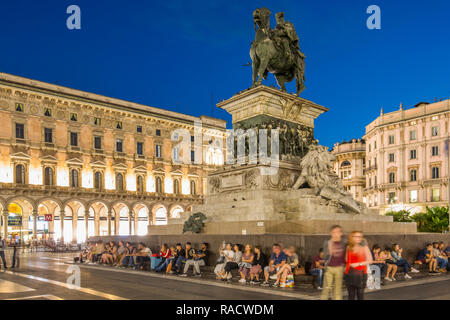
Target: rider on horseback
286 37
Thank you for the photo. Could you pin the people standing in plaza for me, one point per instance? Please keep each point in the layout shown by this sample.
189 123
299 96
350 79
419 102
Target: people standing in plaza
400 261
2 252
334 256
357 258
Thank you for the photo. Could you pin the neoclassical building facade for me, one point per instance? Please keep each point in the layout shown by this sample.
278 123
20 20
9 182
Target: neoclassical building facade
350 166
75 164
407 157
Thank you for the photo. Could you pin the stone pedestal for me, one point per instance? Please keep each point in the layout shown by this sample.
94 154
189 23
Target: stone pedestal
258 197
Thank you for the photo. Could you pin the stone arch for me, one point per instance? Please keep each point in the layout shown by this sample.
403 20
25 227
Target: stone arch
175 211
91 202
31 201
57 201
159 214
122 217
2 204
83 203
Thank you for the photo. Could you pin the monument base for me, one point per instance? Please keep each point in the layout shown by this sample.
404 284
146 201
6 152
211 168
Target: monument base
291 227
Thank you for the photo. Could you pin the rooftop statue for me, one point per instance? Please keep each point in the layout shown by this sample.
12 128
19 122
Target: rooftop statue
276 51
317 174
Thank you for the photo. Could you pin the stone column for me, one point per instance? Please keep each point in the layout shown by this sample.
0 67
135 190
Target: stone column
61 217
35 218
130 223
86 225
135 220
109 222
75 226
5 223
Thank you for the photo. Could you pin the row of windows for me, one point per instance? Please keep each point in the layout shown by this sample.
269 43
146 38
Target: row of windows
49 180
74 117
413 175
413 154
48 138
413 197
413 135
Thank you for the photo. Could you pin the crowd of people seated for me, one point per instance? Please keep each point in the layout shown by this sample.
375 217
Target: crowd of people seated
351 261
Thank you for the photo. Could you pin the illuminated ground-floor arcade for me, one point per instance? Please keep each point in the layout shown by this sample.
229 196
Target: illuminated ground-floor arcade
74 219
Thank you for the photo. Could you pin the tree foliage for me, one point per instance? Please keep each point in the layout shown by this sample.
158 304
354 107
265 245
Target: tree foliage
434 219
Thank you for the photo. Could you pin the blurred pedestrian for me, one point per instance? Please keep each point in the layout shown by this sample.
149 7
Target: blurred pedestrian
334 256
358 257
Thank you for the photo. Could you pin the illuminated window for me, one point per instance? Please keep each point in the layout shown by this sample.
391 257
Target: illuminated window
435 195
413 196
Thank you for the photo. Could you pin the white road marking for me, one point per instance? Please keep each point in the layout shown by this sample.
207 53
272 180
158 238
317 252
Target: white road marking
67 286
12 287
41 297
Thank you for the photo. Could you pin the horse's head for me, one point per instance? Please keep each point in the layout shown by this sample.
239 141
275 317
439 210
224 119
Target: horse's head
261 18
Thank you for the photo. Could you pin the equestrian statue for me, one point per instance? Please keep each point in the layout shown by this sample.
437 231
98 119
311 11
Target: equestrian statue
276 51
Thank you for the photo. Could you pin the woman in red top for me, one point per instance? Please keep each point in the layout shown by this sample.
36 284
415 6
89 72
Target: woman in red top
358 257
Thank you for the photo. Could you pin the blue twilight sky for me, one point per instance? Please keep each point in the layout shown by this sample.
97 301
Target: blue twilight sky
187 55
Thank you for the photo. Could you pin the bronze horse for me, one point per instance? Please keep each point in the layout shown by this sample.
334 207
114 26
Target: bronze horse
268 57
